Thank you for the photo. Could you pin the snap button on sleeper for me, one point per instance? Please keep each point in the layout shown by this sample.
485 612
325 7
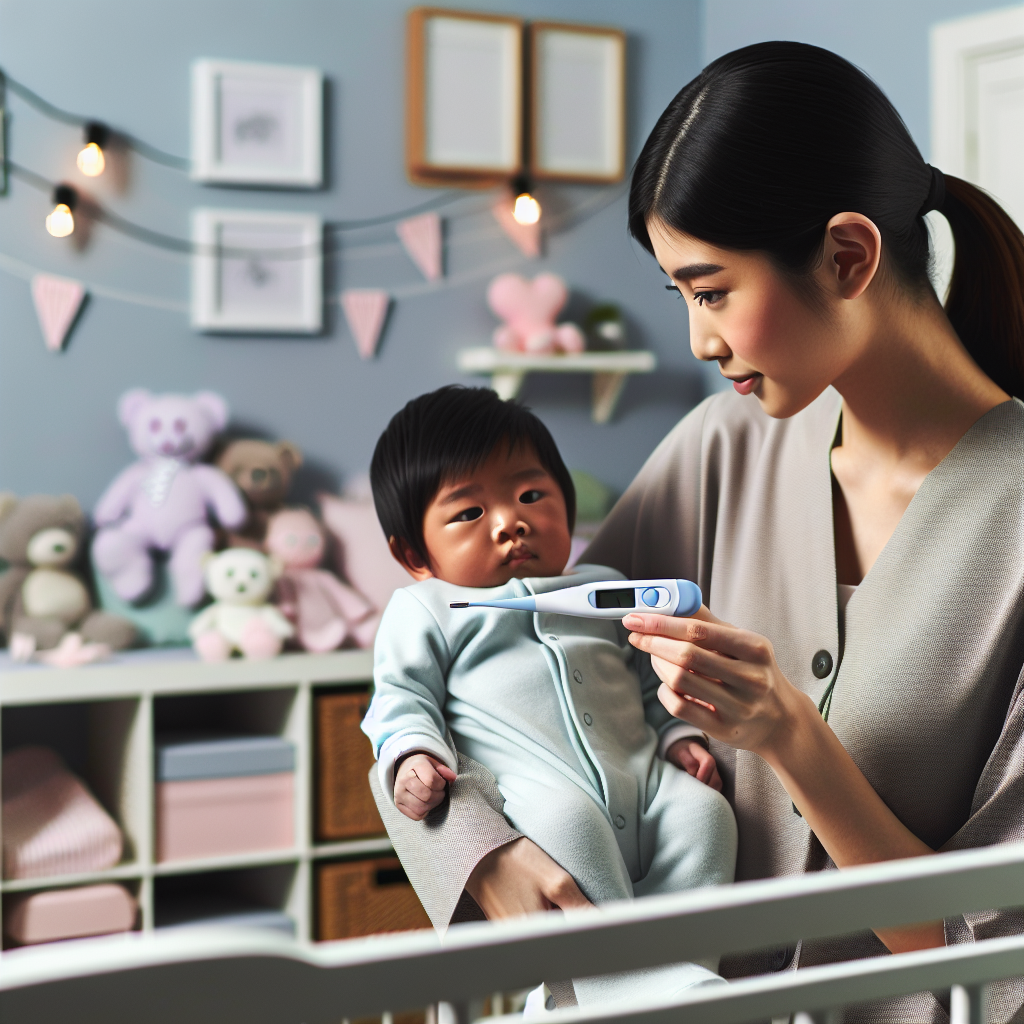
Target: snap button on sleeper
620 821
588 720
550 637
578 676
821 664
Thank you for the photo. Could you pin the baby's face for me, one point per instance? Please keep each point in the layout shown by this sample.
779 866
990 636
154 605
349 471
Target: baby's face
505 520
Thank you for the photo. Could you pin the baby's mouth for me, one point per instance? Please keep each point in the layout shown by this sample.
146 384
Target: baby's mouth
519 555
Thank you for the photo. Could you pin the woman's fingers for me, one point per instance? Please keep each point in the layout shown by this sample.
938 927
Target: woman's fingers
741 644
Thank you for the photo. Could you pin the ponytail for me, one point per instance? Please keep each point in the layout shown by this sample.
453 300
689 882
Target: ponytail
985 304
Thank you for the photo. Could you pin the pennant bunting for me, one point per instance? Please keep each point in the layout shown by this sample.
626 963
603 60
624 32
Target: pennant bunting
525 236
365 310
57 301
421 237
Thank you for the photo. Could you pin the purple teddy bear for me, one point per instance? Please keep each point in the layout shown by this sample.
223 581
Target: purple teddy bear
160 502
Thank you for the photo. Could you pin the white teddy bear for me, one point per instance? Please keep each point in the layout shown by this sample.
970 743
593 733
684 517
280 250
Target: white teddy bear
240 581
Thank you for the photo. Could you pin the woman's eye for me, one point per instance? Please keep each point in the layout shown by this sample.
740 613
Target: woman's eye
673 288
529 497
709 298
468 515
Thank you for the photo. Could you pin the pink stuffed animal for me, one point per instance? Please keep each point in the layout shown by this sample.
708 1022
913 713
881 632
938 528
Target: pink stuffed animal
529 309
324 610
160 502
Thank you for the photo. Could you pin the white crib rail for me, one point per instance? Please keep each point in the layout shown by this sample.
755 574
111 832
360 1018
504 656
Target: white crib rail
204 977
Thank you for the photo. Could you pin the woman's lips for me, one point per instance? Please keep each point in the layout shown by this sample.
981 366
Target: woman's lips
744 385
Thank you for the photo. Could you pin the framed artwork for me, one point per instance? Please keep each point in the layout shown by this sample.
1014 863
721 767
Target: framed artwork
256 272
577 103
464 96
257 124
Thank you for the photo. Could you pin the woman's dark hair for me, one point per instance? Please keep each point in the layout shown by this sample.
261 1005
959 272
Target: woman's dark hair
768 143
440 436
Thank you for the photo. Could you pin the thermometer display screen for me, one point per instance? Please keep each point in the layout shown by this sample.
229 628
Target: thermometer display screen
625 598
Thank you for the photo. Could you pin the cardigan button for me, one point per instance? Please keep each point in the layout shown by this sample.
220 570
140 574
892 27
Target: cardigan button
821 664
588 720
578 676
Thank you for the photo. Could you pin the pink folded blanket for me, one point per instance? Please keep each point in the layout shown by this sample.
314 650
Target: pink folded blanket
52 824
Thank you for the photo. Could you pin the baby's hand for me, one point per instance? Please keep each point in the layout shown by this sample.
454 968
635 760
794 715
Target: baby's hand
420 785
695 760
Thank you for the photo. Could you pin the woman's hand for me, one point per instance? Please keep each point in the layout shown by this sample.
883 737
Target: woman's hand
727 682
721 679
520 878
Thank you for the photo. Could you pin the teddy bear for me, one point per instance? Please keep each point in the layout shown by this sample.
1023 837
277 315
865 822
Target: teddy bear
324 610
160 502
529 309
44 605
263 473
240 581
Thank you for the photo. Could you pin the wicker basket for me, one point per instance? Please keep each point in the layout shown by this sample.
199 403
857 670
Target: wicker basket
364 897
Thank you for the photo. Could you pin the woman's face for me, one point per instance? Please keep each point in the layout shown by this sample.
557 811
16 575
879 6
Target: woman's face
766 339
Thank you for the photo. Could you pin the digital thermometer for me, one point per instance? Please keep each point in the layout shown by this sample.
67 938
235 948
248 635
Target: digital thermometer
607 600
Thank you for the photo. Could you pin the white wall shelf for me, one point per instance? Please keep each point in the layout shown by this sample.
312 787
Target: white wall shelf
609 371
119 703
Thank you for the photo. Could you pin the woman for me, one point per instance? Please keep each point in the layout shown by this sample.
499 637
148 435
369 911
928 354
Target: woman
853 512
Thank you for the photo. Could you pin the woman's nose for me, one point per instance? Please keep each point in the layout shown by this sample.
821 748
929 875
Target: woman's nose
707 345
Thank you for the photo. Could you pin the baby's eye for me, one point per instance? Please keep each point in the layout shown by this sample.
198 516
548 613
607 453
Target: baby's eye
468 515
529 497
708 298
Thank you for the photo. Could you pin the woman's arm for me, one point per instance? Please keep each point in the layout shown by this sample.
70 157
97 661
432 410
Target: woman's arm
727 682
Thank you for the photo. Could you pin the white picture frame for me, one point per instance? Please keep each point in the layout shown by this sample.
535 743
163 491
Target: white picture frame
239 285
464 95
577 103
257 124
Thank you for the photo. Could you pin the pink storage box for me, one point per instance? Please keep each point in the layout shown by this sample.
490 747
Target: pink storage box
214 817
69 913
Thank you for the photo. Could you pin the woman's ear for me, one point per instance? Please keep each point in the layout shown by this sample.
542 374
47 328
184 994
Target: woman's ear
853 250
403 554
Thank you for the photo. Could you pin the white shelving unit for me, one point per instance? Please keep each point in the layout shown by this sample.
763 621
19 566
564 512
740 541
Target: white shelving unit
109 713
609 371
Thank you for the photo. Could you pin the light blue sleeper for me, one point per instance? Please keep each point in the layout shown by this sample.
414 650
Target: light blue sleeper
554 708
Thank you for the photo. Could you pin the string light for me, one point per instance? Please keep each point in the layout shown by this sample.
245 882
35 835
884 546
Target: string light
526 209
61 222
91 161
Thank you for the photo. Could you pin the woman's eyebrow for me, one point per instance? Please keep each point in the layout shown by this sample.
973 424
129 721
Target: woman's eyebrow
693 270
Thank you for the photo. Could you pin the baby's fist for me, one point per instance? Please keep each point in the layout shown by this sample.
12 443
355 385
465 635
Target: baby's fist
696 760
420 784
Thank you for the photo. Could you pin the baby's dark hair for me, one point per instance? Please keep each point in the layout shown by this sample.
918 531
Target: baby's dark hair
441 436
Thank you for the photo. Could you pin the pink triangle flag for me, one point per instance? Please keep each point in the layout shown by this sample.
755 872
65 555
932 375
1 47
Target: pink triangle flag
365 310
525 236
421 237
57 301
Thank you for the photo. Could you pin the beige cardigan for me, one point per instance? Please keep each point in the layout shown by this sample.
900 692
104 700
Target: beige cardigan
929 692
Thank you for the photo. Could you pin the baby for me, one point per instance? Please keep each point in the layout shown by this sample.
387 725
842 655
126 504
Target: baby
472 493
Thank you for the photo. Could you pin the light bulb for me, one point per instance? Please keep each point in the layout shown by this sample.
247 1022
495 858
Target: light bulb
91 161
526 209
61 222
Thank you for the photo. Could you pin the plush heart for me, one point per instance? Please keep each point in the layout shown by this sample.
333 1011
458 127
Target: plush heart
533 303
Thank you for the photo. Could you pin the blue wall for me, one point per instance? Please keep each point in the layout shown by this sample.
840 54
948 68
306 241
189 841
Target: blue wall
126 62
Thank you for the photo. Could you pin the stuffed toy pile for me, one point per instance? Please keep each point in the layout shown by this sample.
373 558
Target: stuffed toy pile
530 309
263 472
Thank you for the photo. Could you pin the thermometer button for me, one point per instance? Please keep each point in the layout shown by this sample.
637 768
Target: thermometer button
650 597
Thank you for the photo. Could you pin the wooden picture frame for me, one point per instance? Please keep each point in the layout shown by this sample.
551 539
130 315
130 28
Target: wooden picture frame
464 97
577 97
239 287
257 124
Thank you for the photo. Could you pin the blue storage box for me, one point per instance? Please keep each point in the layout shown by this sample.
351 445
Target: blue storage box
190 756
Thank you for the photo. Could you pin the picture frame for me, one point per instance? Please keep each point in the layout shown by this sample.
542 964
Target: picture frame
239 286
464 96
577 98
257 124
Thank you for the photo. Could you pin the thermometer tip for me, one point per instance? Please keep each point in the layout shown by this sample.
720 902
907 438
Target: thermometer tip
459 604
